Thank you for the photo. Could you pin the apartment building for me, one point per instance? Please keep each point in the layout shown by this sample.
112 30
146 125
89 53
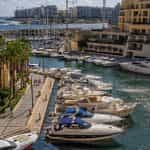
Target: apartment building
109 14
131 39
37 12
135 19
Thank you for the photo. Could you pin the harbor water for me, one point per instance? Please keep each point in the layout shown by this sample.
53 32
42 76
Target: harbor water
128 86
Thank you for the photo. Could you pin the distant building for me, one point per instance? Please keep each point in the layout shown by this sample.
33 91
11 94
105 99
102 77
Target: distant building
38 12
85 12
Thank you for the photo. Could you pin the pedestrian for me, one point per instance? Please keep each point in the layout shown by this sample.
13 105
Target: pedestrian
30 111
39 116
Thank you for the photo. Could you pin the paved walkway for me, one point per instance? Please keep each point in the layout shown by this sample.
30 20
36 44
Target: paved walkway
36 120
17 123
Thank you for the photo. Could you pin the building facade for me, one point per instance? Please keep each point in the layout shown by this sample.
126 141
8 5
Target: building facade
135 19
108 14
38 12
131 39
101 42
108 43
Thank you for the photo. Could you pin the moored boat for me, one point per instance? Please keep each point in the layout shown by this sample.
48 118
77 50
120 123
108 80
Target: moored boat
19 142
91 117
136 67
118 107
76 130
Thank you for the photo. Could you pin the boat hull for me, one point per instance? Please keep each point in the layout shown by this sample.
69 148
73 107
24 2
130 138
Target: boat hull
135 69
83 139
23 141
103 118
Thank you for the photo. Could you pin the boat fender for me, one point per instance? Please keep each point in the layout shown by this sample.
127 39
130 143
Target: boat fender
73 120
57 127
93 108
77 110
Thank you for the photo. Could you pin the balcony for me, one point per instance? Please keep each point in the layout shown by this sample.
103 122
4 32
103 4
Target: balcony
135 46
110 41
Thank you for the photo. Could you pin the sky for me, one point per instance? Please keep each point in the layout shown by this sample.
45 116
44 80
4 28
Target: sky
7 7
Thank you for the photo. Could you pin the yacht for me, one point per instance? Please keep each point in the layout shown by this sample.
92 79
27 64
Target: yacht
93 77
4 144
107 63
91 117
19 142
105 100
114 107
34 66
74 129
136 67
146 63
100 85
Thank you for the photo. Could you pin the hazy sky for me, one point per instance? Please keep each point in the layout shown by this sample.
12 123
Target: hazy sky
7 7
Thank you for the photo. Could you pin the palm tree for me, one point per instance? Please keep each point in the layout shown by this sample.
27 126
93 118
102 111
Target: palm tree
24 60
2 42
17 52
2 45
13 54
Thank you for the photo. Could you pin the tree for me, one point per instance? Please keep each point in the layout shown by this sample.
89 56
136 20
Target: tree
15 54
12 54
24 61
2 42
2 45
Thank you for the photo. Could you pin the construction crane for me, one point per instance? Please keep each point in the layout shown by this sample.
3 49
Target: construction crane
104 13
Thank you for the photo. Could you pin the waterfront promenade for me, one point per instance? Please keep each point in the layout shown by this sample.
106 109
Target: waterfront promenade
18 123
36 120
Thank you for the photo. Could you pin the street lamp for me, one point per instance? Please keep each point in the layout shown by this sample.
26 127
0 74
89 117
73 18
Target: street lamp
32 92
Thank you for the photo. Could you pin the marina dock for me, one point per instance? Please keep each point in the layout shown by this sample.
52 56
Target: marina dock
36 120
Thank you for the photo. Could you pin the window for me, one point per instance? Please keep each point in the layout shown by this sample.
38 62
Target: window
145 13
135 13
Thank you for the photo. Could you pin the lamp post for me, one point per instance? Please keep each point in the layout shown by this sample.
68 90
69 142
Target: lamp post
32 92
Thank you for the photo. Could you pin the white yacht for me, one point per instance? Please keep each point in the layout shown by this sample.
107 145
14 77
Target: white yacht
93 77
136 67
91 117
77 130
34 66
19 142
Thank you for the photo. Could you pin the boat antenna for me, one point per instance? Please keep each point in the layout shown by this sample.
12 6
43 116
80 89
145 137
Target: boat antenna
66 22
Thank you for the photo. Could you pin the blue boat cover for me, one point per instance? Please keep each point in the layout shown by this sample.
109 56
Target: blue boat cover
68 121
80 112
